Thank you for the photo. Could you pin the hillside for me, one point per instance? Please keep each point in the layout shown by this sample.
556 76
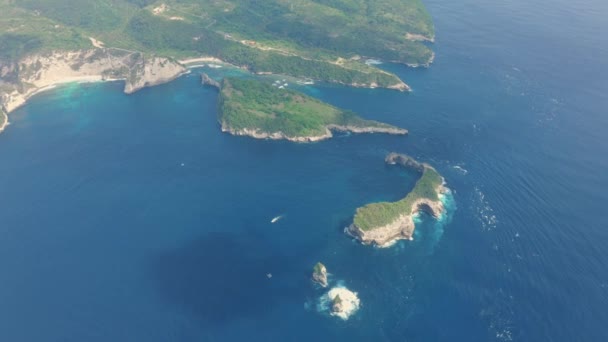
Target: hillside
325 40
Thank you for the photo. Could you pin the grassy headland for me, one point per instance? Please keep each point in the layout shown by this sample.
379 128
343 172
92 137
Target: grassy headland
376 215
259 109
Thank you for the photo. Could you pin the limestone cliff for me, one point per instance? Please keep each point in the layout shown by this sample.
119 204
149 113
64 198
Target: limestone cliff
208 81
19 81
381 224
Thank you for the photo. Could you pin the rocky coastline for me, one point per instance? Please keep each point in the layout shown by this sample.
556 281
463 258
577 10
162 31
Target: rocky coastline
403 226
3 120
208 81
400 229
36 73
258 134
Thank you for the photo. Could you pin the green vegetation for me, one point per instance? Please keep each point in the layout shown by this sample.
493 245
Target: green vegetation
259 106
380 214
318 39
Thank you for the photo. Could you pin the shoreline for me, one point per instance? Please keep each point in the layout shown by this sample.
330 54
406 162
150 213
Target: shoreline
3 121
329 129
188 63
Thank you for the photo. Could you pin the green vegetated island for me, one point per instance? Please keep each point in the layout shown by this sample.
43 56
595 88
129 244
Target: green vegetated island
147 42
260 110
382 224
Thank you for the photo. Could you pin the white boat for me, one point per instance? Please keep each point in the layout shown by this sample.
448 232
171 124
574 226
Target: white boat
274 220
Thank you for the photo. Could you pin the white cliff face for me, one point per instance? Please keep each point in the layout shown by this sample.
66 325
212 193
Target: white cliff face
400 229
151 72
34 73
255 133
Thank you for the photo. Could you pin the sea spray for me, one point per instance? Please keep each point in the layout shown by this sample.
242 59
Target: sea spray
349 299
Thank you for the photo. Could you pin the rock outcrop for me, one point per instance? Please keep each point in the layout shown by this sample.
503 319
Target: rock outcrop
425 197
208 81
34 73
319 274
405 161
3 120
258 134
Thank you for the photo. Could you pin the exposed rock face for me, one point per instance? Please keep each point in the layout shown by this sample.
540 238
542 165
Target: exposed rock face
405 161
307 139
400 229
208 81
3 120
19 81
337 306
254 133
319 274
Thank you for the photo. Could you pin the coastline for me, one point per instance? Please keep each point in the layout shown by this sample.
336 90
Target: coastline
401 228
3 120
373 226
61 68
254 133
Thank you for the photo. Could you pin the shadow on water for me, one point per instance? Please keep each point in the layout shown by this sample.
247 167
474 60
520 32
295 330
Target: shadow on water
223 277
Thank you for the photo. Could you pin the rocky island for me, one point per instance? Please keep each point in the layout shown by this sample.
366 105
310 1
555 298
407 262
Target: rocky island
319 274
382 224
261 110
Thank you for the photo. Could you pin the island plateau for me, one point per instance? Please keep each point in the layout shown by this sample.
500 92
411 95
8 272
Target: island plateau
148 42
260 110
383 223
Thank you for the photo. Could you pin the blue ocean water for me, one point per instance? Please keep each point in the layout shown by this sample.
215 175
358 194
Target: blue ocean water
133 218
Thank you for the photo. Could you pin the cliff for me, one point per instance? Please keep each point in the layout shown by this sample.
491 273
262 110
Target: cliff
383 223
3 120
34 73
208 81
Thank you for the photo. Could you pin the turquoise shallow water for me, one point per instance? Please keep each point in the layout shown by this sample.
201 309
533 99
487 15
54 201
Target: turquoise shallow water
129 218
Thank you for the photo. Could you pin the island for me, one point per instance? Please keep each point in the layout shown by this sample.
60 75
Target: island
319 274
149 42
260 110
384 223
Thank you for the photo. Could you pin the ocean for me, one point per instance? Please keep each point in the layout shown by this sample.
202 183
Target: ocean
133 218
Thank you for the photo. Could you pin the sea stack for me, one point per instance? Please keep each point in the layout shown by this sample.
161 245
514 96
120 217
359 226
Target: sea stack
319 274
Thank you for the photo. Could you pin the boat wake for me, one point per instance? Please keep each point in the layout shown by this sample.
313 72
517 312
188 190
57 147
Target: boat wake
276 219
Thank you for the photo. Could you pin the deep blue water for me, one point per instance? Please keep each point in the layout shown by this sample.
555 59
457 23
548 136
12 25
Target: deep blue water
133 218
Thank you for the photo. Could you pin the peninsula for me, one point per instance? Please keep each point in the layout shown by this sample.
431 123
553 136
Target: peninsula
261 110
148 42
382 224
